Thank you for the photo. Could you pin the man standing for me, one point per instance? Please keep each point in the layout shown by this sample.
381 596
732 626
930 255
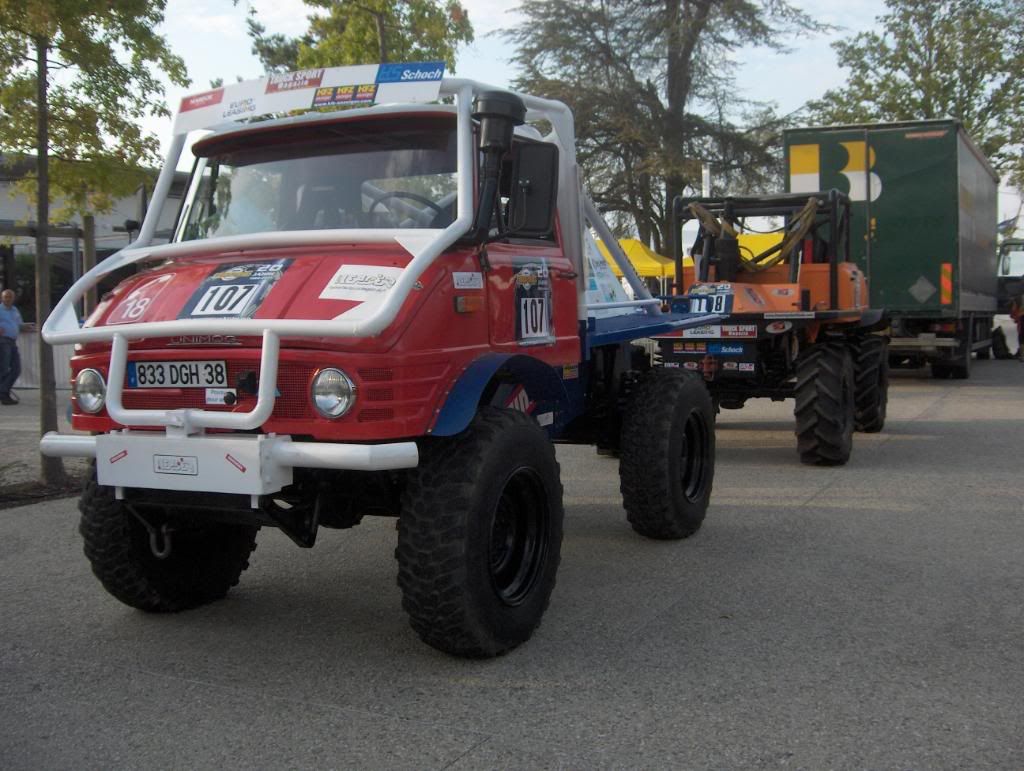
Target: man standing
10 361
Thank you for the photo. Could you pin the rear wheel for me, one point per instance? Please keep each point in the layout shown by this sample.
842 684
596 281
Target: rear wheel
1000 349
479 535
871 383
825 405
203 560
668 455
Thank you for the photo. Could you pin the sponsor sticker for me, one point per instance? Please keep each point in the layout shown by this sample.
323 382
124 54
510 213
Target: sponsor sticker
724 349
746 366
467 280
410 73
220 396
545 418
754 296
713 331
789 315
570 371
135 304
289 81
674 364
205 99
689 347
778 327
234 290
739 330
690 365
783 291
186 465
730 365
360 282
239 107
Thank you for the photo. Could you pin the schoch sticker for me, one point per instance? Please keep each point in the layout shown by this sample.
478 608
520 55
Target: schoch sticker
234 290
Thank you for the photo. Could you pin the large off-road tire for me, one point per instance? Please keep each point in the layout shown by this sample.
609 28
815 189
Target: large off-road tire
668 455
480 534
870 383
825 404
1000 349
205 560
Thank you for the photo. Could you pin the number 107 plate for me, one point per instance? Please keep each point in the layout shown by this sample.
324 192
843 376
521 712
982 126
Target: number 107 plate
177 374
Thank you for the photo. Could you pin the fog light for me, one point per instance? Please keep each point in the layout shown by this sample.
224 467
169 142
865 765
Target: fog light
90 391
333 393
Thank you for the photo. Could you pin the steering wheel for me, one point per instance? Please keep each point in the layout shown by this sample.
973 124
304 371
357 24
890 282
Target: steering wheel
403 194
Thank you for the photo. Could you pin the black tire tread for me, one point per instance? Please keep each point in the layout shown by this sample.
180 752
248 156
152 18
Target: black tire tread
646 477
203 565
871 383
824 431
432 544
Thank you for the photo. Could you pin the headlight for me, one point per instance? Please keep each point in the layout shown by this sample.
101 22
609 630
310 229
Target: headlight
333 393
90 391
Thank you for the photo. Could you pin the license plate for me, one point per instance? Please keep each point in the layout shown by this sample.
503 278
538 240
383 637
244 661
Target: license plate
177 374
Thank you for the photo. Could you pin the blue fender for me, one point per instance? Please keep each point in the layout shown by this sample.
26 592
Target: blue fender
542 382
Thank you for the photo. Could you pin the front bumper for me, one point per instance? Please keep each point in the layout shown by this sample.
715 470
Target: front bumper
246 464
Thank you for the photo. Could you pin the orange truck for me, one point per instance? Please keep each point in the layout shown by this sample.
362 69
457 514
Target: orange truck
797 322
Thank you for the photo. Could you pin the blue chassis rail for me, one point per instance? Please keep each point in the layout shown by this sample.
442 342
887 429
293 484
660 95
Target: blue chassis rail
621 329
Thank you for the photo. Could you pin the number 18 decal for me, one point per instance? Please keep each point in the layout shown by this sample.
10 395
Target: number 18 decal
135 304
715 303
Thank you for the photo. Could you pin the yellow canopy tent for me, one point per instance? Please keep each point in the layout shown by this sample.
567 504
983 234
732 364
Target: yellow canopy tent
645 261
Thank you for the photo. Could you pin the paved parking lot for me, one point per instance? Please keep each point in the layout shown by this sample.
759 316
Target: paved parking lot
862 617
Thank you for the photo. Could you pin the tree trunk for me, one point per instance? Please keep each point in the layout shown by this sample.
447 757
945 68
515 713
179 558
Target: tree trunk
52 468
382 44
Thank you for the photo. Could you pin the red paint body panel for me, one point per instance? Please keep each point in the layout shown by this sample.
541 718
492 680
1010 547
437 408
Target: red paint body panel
401 377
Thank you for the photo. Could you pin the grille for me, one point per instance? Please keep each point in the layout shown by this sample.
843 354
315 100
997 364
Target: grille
292 383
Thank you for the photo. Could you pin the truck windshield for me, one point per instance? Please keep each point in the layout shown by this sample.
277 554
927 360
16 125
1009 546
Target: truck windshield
362 175
1012 261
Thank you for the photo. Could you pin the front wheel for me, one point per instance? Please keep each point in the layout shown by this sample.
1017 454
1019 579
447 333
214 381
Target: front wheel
198 561
668 455
479 535
825 404
871 383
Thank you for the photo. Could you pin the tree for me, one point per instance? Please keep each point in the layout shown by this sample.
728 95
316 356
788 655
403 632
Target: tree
364 31
652 87
959 59
76 77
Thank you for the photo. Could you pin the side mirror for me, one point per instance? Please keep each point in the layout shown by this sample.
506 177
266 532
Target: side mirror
534 190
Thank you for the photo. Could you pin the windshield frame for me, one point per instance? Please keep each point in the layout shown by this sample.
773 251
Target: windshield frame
318 135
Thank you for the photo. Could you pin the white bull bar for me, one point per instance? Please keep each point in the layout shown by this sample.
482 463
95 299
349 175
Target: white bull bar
426 246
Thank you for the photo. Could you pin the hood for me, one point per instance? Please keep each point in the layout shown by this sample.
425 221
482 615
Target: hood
308 283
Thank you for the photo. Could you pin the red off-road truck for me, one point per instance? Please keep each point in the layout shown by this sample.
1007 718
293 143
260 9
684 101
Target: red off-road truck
380 310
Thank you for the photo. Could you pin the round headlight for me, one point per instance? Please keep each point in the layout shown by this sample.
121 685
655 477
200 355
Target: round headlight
333 393
90 391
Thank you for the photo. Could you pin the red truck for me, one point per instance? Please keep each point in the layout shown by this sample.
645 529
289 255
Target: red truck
380 310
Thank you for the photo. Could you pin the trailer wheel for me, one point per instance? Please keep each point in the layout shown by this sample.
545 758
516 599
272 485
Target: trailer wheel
825 405
479 535
871 383
204 562
1000 349
668 455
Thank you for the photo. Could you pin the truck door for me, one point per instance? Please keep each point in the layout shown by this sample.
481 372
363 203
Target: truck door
531 288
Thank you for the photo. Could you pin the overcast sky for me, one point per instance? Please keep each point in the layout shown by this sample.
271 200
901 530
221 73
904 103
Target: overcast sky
210 35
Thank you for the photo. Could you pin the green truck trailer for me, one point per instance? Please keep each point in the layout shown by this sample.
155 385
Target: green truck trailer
923 229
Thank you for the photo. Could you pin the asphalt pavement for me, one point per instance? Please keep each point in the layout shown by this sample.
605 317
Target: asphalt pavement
868 616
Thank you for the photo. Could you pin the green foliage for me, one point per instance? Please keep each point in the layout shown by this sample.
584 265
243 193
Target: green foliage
365 31
652 88
103 58
960 59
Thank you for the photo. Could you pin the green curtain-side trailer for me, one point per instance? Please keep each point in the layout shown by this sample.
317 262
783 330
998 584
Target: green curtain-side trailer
923 228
